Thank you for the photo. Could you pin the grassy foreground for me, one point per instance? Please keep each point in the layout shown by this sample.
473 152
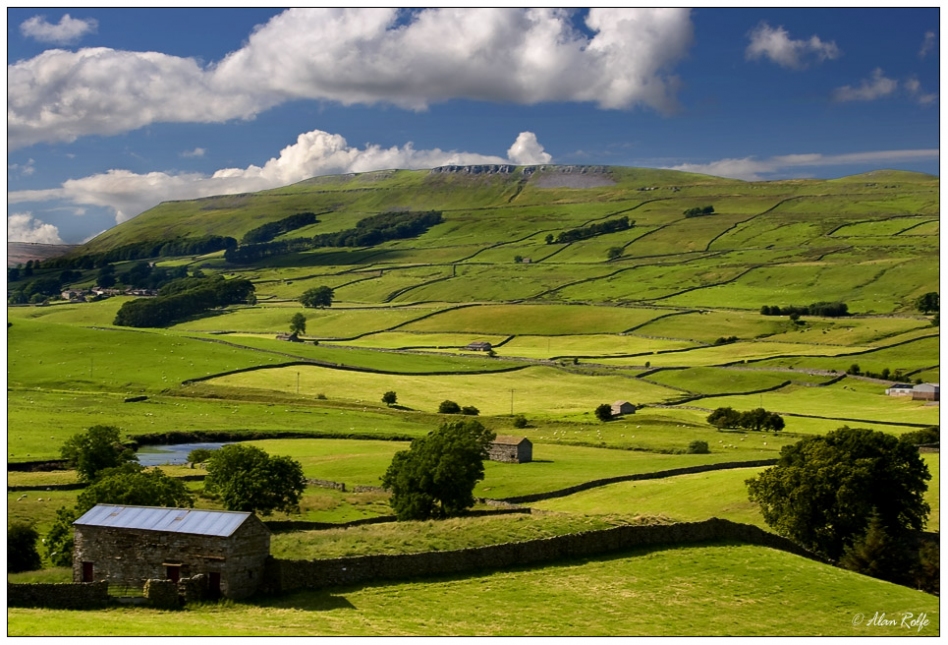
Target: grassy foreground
724 589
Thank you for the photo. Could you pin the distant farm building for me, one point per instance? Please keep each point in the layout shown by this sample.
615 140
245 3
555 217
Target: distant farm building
293 338
622 407
512 450
479 346
131 544
899 389
925 392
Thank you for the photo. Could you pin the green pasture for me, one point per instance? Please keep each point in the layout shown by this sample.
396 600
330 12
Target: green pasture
880 228
917 354
733 353
847 399
711 380
929 229
739 590
536 319
370 358
804 283
537 389
686 498
100 313
353 462
850 330
545 347
435 535
394 281
404 339
59 356
39 422
649 282
707 326
687 235
478 283
695 413
320 323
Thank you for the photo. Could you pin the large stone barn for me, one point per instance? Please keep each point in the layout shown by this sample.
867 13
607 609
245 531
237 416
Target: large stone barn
925 392
131 544
513 450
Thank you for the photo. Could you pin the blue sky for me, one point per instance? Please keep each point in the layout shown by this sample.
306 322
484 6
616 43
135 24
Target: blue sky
111 111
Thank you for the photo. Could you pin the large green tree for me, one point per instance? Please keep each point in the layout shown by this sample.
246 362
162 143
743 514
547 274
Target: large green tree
317 298
435 477
298 323
246 478
100 447
21 548
823 490
928 303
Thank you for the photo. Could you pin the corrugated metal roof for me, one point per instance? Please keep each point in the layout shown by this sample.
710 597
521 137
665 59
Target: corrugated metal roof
173 520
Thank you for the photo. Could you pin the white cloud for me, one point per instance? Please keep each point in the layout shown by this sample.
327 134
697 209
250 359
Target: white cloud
527 151
869 90
753 169
68 30
23 227
928 45
777 45
362 56
914 89
314 153
24 170
197 152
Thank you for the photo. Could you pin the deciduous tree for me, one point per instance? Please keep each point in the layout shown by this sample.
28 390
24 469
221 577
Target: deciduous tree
435 477
99 448
248 479
319 297
824 489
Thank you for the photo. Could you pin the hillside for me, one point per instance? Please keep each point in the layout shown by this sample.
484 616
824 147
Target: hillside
22 252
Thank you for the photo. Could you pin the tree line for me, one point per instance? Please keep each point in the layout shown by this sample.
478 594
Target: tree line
757 419
824 309
270 230
367 232
592 230
143 250
182 299
699 211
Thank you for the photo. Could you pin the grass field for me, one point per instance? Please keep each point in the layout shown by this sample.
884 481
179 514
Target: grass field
536 389
714 590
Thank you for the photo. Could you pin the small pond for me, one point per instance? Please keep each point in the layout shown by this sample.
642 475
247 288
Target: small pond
171 455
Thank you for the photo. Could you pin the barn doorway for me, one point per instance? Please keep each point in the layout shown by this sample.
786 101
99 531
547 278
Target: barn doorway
214 585
88 574
173 572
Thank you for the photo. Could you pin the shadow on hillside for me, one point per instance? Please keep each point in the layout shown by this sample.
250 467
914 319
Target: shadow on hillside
306 601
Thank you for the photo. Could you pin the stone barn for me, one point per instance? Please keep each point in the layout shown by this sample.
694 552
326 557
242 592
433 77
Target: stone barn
513 450
925 392
622 407
131 544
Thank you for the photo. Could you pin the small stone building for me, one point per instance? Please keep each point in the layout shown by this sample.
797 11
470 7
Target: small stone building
925 392
622 407
479 346
292 338
131 544
899 389
513 450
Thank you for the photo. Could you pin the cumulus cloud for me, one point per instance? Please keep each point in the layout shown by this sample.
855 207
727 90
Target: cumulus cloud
23 227
24 170
526 151
754 169
197 152
876 87
928 45
68 30
365 56
776 44
314 153
915 91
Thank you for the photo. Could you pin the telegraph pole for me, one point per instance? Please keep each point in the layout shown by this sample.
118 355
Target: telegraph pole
297 383
511 402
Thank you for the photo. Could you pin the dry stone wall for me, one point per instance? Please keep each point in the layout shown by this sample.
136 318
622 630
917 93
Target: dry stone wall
88 595
289 575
